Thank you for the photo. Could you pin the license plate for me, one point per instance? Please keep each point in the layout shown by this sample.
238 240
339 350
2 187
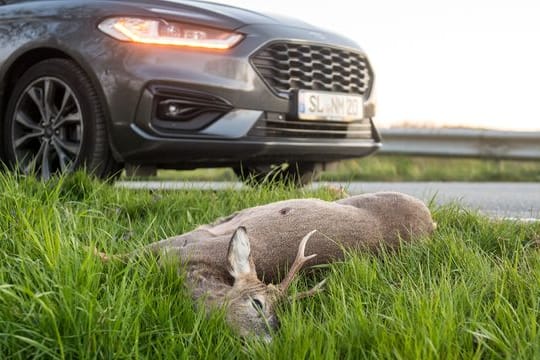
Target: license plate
319 105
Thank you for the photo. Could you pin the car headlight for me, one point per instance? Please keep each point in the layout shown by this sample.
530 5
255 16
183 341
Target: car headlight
161 32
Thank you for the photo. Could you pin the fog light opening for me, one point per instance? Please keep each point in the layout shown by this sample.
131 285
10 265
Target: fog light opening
183 110
173 110
176 111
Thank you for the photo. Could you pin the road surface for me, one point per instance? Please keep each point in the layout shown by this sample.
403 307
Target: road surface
500 200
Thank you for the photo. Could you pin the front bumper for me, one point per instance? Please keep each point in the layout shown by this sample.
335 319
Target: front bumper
185 153
143 74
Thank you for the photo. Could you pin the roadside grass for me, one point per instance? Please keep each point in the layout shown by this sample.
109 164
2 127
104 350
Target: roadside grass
417 168
471 291
398 168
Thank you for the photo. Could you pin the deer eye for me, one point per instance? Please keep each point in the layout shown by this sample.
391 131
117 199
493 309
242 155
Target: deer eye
257 304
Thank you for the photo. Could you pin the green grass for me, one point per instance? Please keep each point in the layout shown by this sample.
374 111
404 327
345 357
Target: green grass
416 168
399 168
472 291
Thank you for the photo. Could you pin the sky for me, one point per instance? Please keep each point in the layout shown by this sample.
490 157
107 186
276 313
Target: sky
473 63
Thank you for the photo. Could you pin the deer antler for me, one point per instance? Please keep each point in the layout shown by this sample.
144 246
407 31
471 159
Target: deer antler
107 258
300 260
103 257
314 291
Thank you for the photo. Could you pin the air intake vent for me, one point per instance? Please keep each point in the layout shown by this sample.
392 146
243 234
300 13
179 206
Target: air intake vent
177 109
274 126
287 66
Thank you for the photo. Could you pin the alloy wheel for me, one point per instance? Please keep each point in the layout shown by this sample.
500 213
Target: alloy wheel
47 128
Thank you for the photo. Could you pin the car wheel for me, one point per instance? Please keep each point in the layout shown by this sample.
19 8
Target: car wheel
55 123
295 174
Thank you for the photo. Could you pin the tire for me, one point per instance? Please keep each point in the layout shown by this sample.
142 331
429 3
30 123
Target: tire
293 174
55 123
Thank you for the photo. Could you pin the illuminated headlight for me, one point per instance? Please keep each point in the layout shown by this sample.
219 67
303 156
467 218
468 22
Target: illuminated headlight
161 32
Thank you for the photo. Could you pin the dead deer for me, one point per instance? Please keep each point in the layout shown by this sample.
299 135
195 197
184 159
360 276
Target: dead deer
220 258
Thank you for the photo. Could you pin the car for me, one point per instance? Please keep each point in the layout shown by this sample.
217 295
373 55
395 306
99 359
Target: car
177 84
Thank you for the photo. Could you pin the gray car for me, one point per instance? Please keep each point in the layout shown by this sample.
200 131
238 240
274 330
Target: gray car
179 85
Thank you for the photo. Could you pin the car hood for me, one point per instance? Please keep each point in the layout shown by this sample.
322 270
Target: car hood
237 17
248 17
204 12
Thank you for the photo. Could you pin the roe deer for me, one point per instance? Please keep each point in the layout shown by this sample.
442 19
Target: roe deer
220 258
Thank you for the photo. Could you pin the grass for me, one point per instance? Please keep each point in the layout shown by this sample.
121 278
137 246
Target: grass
416 168
472 291
399 168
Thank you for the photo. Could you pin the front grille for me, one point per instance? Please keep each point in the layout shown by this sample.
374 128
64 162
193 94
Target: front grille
288 66
274 125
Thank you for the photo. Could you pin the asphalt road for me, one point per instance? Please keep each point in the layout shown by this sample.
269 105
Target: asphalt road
508 200
499 200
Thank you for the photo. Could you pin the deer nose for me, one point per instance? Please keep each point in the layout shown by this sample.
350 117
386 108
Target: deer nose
273 322
267 339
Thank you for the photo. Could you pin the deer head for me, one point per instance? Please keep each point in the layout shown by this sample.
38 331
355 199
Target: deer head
250 303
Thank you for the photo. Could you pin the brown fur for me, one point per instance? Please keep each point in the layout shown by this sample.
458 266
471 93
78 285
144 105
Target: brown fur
220 258
364 222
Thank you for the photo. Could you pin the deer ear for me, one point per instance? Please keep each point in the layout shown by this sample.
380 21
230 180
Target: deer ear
239 255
